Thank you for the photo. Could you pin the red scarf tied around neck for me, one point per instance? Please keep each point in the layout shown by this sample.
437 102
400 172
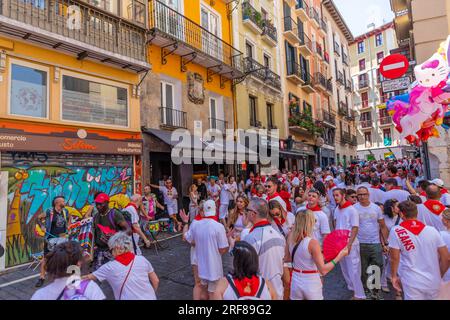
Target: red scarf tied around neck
345 205
125 258
247 286
435 206
413 226
316 208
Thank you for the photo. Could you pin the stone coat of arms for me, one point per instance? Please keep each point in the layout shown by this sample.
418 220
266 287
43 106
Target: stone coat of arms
196 90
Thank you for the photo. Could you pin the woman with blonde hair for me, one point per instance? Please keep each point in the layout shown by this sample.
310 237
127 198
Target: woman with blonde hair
237 217
193 204
307 260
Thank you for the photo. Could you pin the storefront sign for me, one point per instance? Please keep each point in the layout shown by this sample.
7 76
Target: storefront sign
301 147
26 142
396 84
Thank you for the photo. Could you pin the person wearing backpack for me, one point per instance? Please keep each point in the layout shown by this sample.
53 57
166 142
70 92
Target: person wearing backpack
244 283
131 210
58 261
131 277
107 222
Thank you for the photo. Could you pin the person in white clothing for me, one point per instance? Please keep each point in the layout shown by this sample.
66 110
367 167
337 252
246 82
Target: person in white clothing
392 173
371 223
170 200
132 208
446 237
244 283
209 238
130 276
321 225
304 252
419 256
445 196
57 263
268 243
347 218
431 210
281 219
393 191
376 193
224 197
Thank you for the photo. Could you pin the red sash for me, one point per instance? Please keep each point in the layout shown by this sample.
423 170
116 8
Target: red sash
435 206
413 226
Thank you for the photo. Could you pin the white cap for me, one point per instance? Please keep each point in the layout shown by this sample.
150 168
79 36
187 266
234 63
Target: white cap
329 178
438 182
296 182
209 208
280 201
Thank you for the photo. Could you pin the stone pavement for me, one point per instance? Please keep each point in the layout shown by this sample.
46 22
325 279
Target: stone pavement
172 265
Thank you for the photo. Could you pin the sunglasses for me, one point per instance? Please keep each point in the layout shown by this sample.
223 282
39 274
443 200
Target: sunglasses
363 194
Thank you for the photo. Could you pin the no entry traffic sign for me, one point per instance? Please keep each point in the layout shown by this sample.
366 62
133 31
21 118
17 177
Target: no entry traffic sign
394 66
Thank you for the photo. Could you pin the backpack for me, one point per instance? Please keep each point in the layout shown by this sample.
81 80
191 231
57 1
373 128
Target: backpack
77 295
127 216
262 284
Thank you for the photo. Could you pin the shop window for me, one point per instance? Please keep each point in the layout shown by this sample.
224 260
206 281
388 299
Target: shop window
89 101
29 91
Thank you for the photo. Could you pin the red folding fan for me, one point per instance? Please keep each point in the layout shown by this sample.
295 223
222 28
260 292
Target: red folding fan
334 242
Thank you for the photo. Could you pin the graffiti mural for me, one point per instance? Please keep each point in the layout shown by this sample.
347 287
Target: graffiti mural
32 188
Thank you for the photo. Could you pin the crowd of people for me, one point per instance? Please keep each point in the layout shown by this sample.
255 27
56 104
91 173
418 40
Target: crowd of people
274 226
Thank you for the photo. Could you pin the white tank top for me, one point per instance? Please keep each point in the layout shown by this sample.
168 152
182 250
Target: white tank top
239 222
229 293
303 260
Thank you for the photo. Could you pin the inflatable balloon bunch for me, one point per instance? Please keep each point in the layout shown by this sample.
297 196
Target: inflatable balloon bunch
417 113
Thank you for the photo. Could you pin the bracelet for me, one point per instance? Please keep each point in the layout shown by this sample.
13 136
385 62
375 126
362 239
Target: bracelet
333 262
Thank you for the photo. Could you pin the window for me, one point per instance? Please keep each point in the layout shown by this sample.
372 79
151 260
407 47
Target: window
368 139
29 91
307 108
253 111
365 116
267 61
270 123
249 49
362 64
167 95
384 113
380 56
360 47
90 101
365 99
216 115
378 39
134 10
296 99
387 137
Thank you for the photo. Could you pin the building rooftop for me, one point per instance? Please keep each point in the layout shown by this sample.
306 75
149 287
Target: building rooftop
337 17
373 32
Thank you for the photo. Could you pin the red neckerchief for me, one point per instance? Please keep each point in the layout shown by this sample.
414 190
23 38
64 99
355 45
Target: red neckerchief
316 208
413 226
375 187
443 191
131 204
273 196
260 224
435 206
259 194
396 188
345 205
331 185
423 193
198 217
394 176
247 286
279 221
125 258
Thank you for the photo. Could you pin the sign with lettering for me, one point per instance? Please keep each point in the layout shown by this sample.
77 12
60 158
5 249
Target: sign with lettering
27 142
395 84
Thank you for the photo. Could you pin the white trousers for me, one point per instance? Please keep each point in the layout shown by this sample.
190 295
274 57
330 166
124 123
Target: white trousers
223 211
419 294
351 270
306 287
386 271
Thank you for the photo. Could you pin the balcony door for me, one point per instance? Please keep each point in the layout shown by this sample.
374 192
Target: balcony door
170 115
216 115
212 33
170 18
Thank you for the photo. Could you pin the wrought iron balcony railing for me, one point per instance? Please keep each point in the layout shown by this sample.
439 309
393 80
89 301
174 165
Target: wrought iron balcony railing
343 109
365 124
293 69
99 34
301 4
323 25
306 41
270 30
218 124
319 49
315 15
386 120
250 13
291 27
363 83
348 86
263 73
173 118
346 137
337 48
345 58
340 77
273 79
180 31
329 118
329 86
320 80
307 78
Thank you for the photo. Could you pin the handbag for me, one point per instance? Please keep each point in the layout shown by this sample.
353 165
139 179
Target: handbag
126 278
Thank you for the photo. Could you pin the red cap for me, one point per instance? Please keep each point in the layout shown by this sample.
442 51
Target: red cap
102 198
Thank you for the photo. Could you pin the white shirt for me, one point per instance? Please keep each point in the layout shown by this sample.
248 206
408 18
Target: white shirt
287 225
214 191
208 236
419 259
400 195
369 228
225 194
375 195
137 286
169 195
445 199
332 203
321 227
54 289
429 218
346 218
446 237
390 222
270 246
134 220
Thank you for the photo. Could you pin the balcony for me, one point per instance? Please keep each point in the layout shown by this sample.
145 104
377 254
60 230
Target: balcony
176 34
294 73
254 69
315 17
323 27
303 123
340 78
172 118
337 48
302 10
252 18
351 115
365 124
218 124
329 90
308 82
346 137
354 141
318 50
348 86
343 109
385 121
320 82
329 118
326 57
291 30
101 36
363 84
345 59
306 45
364 104
269 33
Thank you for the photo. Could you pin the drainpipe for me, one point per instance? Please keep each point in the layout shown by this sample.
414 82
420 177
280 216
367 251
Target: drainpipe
233 88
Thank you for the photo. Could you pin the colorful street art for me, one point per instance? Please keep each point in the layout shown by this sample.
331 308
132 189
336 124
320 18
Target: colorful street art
32 188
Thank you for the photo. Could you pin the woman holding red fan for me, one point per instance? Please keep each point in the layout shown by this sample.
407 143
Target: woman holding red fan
307 260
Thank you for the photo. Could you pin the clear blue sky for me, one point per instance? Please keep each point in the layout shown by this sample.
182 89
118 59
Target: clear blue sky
359 13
